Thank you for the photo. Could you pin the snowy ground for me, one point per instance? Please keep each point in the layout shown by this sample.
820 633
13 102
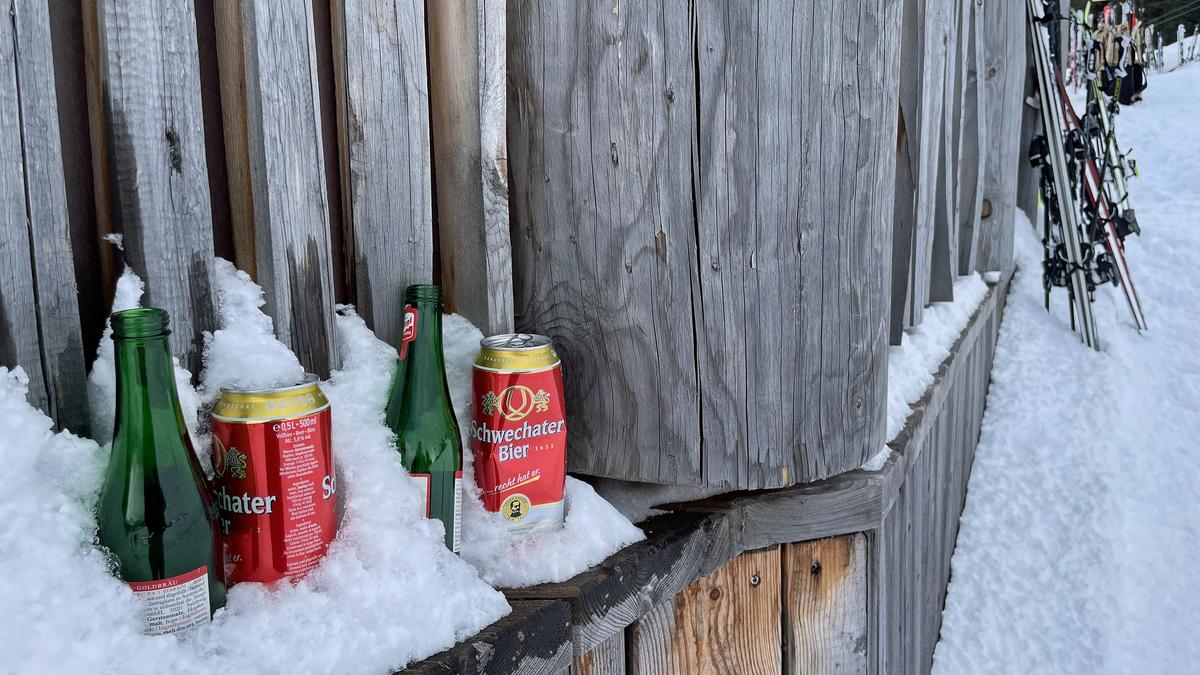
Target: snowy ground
1081 532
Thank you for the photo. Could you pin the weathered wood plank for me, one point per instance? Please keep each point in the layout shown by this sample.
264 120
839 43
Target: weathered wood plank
606 658
46 203
286 172
152 166
1004 86
727 622
825 605
466 47
851 502
602 117
679 548
795 181
532 640
945 223
383 96
974 140
231 63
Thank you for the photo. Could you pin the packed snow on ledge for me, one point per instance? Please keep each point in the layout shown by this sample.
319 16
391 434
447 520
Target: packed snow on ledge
387 593
1081 530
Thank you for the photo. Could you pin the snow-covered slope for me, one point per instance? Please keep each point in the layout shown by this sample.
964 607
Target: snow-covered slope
1081 531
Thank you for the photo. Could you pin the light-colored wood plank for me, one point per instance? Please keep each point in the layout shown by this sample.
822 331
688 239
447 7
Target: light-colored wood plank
606 658
601 122
466 65
383 94
825 605
727 622
49 229
286 173
973 142
152 165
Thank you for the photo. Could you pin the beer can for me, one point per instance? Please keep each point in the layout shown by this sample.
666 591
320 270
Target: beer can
274 487
518 432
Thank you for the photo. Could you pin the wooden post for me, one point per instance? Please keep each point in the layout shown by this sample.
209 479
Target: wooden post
383 115
825 605
286 168
607 658
973 143
150 170
727 622
39 308
466 52
1004 78
945 221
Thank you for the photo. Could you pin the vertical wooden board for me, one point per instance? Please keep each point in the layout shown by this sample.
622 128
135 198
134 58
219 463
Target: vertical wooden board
1004 87
493 121
973 143
794 191
727 622
287 176
945 222
231 63
607 658
383 111
19 341
46 209
602 117
152 166
825 605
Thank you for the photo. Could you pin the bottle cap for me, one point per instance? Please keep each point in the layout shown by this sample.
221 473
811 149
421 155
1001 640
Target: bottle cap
140 322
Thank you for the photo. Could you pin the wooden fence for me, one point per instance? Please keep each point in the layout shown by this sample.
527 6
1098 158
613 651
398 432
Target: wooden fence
720 212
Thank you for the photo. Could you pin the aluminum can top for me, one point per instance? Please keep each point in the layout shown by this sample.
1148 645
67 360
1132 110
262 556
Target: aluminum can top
261 405
516 353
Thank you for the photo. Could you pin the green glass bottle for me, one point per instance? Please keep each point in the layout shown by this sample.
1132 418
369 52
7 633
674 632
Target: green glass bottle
420 414
155 513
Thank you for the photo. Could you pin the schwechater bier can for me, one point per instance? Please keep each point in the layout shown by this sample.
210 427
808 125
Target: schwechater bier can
275 485
518 432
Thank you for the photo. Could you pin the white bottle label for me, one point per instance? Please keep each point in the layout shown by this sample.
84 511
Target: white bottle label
421 482
173 605
457 512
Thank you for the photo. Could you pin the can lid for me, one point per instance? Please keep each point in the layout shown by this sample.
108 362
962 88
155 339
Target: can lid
261 405
516 353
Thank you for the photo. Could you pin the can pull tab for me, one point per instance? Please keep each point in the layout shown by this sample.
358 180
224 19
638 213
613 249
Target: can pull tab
410 330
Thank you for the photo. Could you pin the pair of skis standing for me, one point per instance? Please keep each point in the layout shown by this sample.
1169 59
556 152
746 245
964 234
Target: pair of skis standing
1086 214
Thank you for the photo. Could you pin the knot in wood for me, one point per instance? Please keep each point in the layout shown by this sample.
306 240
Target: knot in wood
714 594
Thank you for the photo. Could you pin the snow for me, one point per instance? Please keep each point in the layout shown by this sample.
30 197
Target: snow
1081 530
593 529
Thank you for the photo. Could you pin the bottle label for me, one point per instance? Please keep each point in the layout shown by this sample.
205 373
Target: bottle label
173 605
410 330
422 481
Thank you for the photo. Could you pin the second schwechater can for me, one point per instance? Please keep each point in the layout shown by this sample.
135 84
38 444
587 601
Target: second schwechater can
275 485
519 432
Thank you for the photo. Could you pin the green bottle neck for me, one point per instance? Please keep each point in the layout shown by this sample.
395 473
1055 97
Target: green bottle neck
146 397
425 386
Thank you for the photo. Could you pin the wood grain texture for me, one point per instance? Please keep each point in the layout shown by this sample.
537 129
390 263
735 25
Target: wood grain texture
795 180
465 41
152 166
727 622
532 640
606 658
679 548
973 140
287 177
1004 76
926 32
825 605
945 219
601 122
384 113
231 63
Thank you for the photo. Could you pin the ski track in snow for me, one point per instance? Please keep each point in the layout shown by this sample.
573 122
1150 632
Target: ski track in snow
1079 538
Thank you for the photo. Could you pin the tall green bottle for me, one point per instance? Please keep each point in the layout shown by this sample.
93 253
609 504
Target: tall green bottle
155 513
420 414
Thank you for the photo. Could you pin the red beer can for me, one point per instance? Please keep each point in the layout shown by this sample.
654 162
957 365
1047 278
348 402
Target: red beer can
273 456
518 432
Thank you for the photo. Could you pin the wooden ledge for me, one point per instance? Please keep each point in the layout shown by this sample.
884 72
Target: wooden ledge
534 640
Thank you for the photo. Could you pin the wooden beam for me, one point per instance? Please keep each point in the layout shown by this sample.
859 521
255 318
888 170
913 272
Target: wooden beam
41 212
466 66
1008 181
606 658
942 269
231 63
532 640
383 112
727 622
973 142
286 169
825 605
150 168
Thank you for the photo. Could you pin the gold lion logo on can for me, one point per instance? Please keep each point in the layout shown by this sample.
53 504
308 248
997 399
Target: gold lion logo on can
515 507
515 402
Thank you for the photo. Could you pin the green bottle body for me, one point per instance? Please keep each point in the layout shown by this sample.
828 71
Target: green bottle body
155 514
419 413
